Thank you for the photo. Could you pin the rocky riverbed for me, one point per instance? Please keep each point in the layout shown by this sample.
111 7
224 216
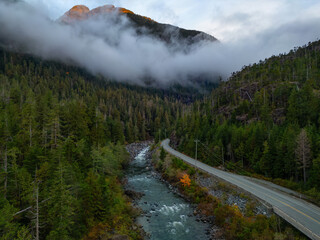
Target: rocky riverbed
165 213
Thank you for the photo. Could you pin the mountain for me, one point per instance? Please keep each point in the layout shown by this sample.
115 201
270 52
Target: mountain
262 119
143 25
81 12
62 130
110 41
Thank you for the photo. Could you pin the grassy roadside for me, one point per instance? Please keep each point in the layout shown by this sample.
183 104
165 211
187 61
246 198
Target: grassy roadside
311 195
234 223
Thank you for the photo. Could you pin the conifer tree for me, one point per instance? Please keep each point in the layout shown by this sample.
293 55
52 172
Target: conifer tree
61 206
93 199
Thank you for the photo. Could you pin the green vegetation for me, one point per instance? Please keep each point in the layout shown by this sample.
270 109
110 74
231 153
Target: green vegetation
235 225
62 133
264 120
61 147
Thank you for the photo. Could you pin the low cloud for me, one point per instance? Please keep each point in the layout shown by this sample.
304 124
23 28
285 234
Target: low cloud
112 48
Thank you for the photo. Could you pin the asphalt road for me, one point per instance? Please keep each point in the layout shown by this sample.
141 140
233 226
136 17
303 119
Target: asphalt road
303 215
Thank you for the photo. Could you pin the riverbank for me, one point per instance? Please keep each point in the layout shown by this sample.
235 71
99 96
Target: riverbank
165 214
135 148
238 215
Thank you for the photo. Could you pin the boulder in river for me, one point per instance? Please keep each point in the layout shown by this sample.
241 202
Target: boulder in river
133 194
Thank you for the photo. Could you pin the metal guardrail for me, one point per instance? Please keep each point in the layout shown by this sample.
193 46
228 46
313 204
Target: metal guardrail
296 224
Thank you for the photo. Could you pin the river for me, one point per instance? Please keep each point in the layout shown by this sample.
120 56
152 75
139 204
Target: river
166 215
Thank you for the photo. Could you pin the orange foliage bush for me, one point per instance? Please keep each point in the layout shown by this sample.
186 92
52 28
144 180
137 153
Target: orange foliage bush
185 180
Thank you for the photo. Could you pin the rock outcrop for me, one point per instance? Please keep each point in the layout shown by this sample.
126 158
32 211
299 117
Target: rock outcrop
81 12
78 12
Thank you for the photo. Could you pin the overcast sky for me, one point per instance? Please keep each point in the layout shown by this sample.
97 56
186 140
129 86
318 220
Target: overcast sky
248 30
228 20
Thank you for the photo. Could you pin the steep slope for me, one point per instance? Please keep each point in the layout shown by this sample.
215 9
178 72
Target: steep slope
143 25
113 42
62 132
265 119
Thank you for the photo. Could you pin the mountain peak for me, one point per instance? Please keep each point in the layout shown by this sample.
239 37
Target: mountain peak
165 32
79 8
82 12
107 9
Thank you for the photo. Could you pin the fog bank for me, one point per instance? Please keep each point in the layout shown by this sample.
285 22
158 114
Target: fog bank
109 46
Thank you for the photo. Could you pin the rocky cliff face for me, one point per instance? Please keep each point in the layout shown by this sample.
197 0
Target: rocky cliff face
78 12
81 12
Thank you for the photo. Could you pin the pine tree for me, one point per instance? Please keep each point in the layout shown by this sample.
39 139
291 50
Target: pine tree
314 174
266 160
162 154
61 206
93 199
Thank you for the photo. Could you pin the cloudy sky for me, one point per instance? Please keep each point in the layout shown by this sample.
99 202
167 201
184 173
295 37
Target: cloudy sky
248 30
228 20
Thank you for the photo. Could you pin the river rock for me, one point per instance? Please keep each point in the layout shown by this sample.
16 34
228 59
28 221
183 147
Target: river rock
118 237
133 194
135 148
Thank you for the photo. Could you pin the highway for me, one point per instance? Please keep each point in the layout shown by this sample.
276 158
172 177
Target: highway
301 214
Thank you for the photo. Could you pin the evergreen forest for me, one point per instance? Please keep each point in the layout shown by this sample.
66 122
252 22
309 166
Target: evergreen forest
264 120
63 134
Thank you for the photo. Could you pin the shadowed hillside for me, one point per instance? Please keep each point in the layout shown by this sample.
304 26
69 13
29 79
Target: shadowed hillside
264 120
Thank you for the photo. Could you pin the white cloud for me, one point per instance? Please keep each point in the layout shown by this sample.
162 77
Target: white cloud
250 30
225 19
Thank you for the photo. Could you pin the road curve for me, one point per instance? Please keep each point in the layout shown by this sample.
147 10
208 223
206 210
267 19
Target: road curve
301 214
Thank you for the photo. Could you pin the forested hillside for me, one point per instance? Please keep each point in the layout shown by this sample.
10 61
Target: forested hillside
62 133
61 148
265 119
